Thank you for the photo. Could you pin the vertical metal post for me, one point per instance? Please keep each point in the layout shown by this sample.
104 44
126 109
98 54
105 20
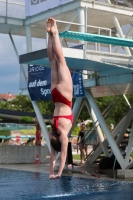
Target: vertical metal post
96 46
82 18
6 11
98 43
28 39
85 30
110 44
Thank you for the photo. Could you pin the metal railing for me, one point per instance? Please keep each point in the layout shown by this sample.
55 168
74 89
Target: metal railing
13 126
93 29
12 9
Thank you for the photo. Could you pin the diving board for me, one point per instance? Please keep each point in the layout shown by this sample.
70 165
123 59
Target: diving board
96 38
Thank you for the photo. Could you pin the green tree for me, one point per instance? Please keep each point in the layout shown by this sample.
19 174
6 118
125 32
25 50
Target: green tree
76 130
84 113
115 114
46 107
26 119
118 111
5 133
5 105
22 103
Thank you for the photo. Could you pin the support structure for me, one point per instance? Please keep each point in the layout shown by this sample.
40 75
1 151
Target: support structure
97 128
128 34
125 125
76 111
109 137
120 33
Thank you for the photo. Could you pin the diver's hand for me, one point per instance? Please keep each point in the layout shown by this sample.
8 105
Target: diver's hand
57 176
51 176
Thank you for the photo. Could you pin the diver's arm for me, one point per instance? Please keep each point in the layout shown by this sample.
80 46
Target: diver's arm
52 163
63 155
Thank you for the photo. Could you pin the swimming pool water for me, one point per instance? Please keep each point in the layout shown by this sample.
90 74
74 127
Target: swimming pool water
20 185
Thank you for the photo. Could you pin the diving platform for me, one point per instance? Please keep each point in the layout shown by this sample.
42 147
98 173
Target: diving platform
95 61
101 85
97 38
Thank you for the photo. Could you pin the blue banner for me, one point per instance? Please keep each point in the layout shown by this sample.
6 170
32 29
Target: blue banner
78 89
33 7
39 83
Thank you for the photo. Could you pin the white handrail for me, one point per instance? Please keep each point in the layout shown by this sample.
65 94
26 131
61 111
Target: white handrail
97 45
66 22
4 1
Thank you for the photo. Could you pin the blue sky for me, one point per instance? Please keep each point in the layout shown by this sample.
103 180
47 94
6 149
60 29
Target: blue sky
9 65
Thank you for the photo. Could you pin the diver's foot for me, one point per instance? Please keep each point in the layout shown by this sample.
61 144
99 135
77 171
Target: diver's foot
51 26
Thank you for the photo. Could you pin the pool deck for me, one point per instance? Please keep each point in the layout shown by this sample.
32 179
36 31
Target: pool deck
78 171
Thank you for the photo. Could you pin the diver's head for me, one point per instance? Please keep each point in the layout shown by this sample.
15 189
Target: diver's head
55 142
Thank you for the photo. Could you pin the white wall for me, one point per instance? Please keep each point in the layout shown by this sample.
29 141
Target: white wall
23 154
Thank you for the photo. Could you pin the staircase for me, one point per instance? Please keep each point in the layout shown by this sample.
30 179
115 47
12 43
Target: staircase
122 148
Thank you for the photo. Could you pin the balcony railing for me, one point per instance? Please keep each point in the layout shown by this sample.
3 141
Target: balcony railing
10 8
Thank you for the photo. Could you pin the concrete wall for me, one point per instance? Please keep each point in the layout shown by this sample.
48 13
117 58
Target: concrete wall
23 154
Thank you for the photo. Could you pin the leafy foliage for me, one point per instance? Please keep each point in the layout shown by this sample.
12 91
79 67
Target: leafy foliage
5 105
76 130
5 133
84 114
46 107
115 114
26 119
23 103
